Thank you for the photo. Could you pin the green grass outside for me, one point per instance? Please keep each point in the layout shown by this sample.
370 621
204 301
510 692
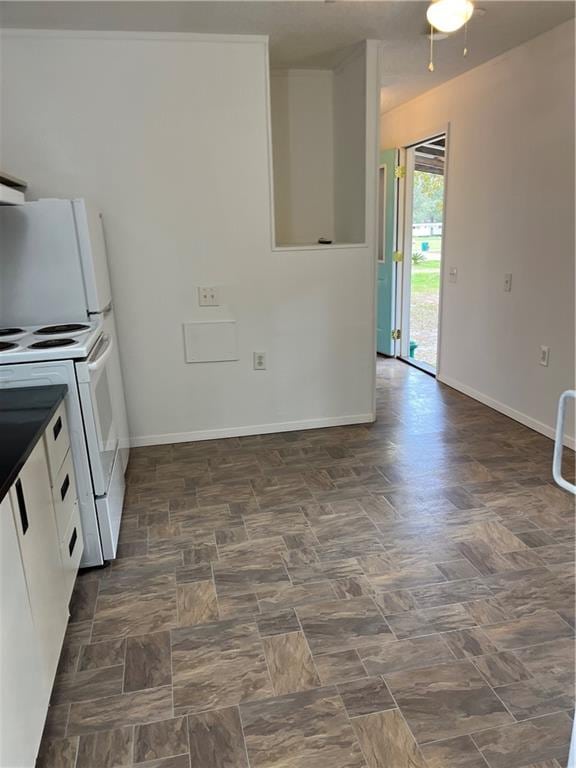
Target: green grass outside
426 276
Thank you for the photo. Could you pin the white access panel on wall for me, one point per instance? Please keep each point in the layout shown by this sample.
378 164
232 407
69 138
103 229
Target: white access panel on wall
210 341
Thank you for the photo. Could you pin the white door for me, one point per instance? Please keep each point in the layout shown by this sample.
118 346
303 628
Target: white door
420 270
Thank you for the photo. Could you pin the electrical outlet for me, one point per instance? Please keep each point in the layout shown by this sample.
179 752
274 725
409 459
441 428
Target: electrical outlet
453 275
208 297
508 282
544 355
259 361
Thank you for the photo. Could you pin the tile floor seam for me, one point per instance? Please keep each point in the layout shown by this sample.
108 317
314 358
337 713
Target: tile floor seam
248 763
511 725
519 618
533 717
357 740
500 700
67 719
172 677
452 661
402 715
270 679
104 730
133 748
310 652
187 719
213 580
505 725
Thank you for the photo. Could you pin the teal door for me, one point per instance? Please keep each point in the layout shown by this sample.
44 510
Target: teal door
387 227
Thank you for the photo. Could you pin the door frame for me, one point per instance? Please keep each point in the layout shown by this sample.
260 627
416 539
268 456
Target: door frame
386 246
404 236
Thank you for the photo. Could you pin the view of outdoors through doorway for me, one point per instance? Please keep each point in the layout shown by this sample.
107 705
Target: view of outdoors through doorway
426 187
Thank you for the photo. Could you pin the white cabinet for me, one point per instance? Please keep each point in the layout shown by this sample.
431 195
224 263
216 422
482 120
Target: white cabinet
40 549
24 686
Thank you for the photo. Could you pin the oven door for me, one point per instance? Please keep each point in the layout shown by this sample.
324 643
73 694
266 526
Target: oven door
94 383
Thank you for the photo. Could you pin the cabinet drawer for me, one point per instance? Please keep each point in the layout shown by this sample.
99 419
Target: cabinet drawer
71 550
64 495
57 442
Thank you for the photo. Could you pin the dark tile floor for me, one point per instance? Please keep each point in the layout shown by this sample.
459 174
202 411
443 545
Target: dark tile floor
389 596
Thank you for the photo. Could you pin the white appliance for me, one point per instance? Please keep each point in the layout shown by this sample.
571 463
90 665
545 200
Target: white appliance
57 326
559 479
11 189
10 195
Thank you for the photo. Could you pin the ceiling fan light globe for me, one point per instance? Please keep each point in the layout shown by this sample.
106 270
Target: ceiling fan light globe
449 15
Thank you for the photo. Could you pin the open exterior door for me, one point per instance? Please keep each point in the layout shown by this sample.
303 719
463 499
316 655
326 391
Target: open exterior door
386 246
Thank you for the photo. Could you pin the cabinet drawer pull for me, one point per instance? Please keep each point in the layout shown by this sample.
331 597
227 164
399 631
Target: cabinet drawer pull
21 506
57 427
72 543
65 486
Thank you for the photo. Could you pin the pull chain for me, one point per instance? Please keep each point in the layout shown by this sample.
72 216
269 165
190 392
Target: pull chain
431 64
465 51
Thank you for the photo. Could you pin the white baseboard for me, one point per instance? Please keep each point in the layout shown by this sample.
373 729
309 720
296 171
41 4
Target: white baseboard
257 429
528 421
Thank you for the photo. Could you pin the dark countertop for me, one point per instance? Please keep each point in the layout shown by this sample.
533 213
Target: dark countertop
24 415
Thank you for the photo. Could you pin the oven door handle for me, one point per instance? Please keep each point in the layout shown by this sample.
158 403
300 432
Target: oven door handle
102 353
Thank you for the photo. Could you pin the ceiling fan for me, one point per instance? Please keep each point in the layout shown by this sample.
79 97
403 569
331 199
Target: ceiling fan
447 16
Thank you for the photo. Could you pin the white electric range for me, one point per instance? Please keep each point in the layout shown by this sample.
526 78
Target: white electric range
61 341
57 327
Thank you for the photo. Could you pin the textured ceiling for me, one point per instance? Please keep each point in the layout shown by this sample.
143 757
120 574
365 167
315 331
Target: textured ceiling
315 33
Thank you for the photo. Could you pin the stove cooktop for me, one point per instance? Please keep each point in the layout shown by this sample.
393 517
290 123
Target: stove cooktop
51 330
63 341
51 343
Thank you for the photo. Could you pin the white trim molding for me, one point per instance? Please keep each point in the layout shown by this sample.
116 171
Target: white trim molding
522 418
257 429
127 35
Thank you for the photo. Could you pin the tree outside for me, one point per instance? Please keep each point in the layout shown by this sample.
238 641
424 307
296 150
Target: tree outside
428 201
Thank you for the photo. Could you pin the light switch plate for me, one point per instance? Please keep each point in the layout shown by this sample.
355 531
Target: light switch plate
208 297
508 282
453 275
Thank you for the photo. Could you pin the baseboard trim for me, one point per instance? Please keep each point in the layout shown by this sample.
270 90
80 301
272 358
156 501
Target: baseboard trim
528 421
257 429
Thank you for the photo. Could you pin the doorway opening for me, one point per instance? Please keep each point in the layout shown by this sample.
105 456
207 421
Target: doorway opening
418 306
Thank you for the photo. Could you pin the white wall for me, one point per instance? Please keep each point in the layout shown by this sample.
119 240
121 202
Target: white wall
350 148
510 208
303 154
169 135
